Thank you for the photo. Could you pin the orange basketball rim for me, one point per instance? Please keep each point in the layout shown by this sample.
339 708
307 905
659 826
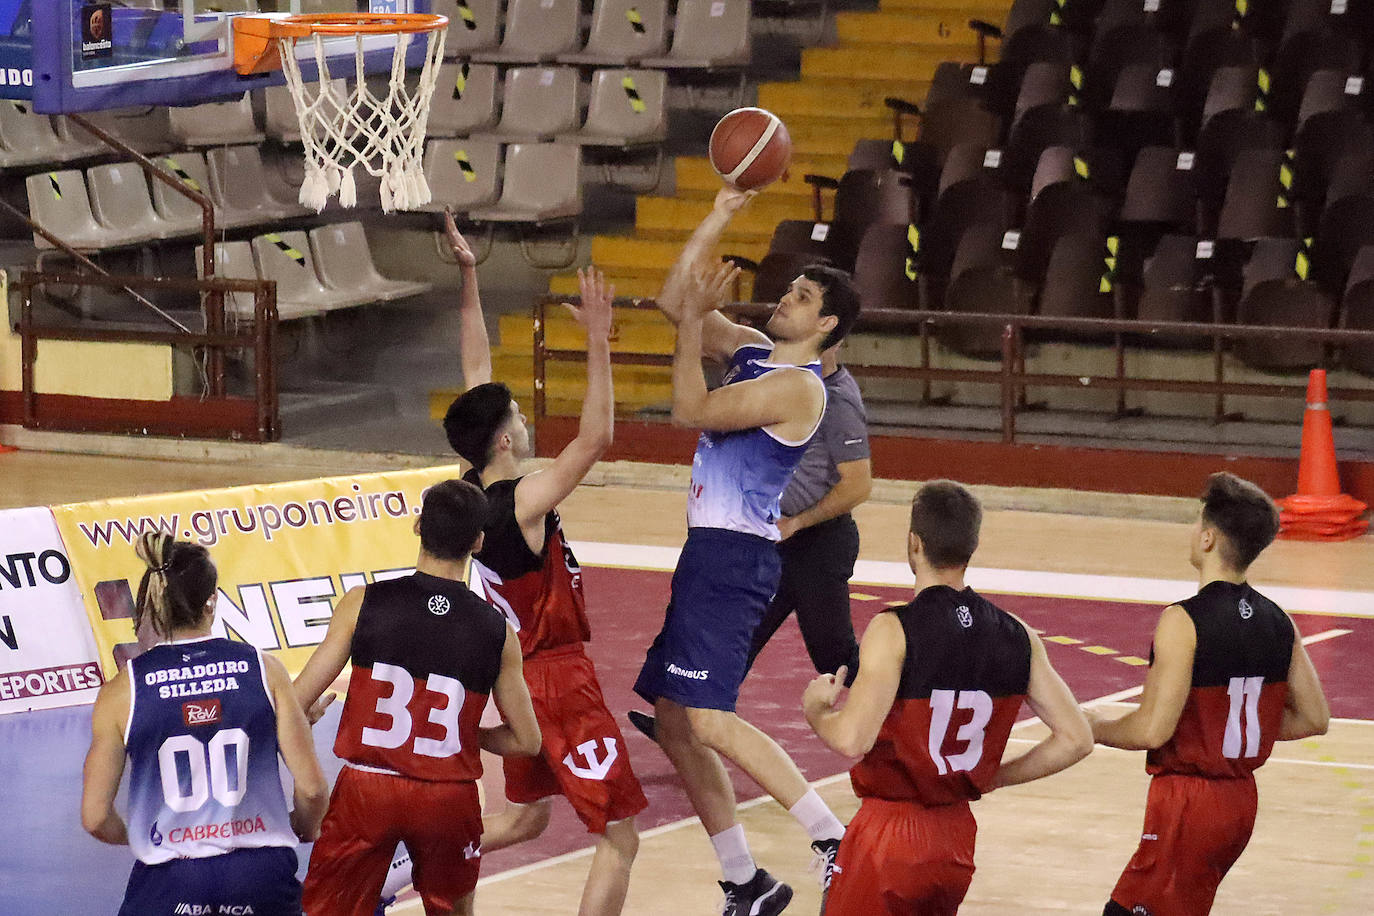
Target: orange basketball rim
256 37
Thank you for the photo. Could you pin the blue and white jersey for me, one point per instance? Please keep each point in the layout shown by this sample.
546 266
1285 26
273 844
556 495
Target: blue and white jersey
202 746
737 477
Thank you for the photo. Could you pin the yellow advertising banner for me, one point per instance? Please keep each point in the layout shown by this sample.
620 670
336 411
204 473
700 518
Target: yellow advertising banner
286 553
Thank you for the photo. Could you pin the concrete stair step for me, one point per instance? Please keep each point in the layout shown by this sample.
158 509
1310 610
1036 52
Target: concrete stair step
947 30
632 287
994 11
517 337
860 101
696 179
655 214
891 63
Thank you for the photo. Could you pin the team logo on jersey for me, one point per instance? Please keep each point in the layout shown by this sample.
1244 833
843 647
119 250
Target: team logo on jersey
202 712
473 850
965 616
1140 910
153 836
597 767
1247 610
438 605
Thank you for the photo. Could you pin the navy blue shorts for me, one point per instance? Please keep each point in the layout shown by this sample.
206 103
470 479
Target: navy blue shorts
722 585
258 881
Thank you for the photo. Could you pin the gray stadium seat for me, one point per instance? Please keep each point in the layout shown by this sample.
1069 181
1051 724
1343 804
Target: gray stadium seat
27 138
708 35
464 100
623 32
542 183
472 25
234 261
77 142
120 200
238 183
463 174
344 261
59 203
627 109
536 31
280 118
215 123
148 130
191 169
285 258
539 103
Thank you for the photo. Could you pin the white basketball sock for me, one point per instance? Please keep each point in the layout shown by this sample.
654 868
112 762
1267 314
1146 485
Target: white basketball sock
816 817
732 849
398 876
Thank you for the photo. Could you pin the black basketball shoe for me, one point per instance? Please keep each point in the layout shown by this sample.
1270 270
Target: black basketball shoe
761 895
825 851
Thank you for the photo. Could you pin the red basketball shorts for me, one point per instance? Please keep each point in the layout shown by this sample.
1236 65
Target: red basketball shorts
902 858
1195 829
584 757
369 813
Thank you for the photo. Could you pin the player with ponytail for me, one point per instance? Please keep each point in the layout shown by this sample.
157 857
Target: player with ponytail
201 721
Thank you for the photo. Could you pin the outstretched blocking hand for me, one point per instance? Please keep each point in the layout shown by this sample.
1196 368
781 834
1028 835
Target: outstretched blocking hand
462 251
710 287
595 312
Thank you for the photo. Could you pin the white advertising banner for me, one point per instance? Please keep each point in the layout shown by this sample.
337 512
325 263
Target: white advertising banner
47 649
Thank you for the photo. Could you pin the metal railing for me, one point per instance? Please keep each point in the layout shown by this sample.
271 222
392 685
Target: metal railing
1010 374
213 411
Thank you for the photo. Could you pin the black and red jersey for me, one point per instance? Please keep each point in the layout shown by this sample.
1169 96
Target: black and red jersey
540 593
426 654
1239 687
965 676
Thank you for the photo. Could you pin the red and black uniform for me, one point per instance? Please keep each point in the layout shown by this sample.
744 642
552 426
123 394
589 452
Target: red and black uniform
1202 800
909 850
426 654
584 757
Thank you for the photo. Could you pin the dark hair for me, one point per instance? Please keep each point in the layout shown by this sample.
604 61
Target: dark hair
178 582
453 515
1246 517
946 517
473 420
838 298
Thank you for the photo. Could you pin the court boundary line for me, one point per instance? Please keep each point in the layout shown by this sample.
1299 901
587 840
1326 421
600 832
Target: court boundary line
1031 583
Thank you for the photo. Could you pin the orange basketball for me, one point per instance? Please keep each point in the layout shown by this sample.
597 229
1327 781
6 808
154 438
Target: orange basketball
750 148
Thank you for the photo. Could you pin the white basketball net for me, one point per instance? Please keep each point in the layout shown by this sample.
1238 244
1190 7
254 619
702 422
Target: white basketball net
344 130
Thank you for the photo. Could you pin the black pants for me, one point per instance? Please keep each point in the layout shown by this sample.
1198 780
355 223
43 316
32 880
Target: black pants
816 565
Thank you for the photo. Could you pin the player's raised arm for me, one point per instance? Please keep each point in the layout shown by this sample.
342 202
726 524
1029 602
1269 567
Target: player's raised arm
1166 689
474 348
1070 738
721 336
1305 711
105 763
310 795
852 730
332 654
776 397
541 491
519 734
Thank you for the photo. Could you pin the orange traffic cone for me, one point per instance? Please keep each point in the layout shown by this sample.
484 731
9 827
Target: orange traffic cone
1319 511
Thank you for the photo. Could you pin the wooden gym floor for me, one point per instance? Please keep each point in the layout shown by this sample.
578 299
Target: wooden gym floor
1053 846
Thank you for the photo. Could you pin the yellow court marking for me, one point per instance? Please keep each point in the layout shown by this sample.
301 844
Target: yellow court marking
1099 650
860 596
1063 640
1132 660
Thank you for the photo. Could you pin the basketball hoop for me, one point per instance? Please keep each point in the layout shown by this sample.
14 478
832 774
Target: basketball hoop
343 130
